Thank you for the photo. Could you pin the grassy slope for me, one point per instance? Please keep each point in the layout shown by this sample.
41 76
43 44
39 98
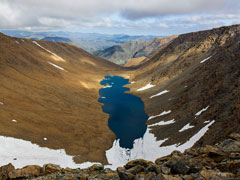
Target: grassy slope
48 102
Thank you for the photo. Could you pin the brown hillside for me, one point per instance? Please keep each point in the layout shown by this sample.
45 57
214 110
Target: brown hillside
49 102
134 61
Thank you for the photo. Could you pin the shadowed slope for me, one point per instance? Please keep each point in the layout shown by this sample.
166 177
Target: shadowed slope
196 77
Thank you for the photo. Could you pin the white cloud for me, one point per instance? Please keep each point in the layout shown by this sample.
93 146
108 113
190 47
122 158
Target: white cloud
118 14
8 17
53 22
162 25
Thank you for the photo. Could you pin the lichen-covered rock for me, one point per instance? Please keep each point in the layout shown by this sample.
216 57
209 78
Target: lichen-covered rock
214 152
140 162
96 167
178 165
188 177
124 175
165 170
5 170
162 160
51 168
230 145
111 175
195 165
153 168
168 177
235 136
232 166
234 155
136 169
26 172
150 176
216 175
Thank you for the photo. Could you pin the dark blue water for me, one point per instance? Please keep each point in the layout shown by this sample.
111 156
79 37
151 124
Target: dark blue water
127 117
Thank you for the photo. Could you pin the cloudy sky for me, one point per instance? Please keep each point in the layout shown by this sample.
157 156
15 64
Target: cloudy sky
157 17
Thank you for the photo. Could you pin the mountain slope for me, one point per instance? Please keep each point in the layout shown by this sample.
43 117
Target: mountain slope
119 54
135 61
153 46
49 96
194 81
149 50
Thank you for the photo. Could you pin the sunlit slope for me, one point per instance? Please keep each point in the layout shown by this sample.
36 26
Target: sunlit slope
50 90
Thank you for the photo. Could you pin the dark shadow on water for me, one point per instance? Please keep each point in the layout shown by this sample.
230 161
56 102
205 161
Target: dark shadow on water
127 117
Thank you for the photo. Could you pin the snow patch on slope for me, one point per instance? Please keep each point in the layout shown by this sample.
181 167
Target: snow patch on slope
1 103
159 94
148 148
58 57
161 114
161 123
188 126
201 111
56 66
205 59
25 153
148 86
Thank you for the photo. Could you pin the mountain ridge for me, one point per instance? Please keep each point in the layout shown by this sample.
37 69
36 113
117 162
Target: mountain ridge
120 54
56 39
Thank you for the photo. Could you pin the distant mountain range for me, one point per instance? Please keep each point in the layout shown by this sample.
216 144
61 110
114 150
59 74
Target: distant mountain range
57 39
137 49
88 41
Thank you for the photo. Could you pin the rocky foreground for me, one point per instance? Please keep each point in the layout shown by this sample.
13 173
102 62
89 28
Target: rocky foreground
221 161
